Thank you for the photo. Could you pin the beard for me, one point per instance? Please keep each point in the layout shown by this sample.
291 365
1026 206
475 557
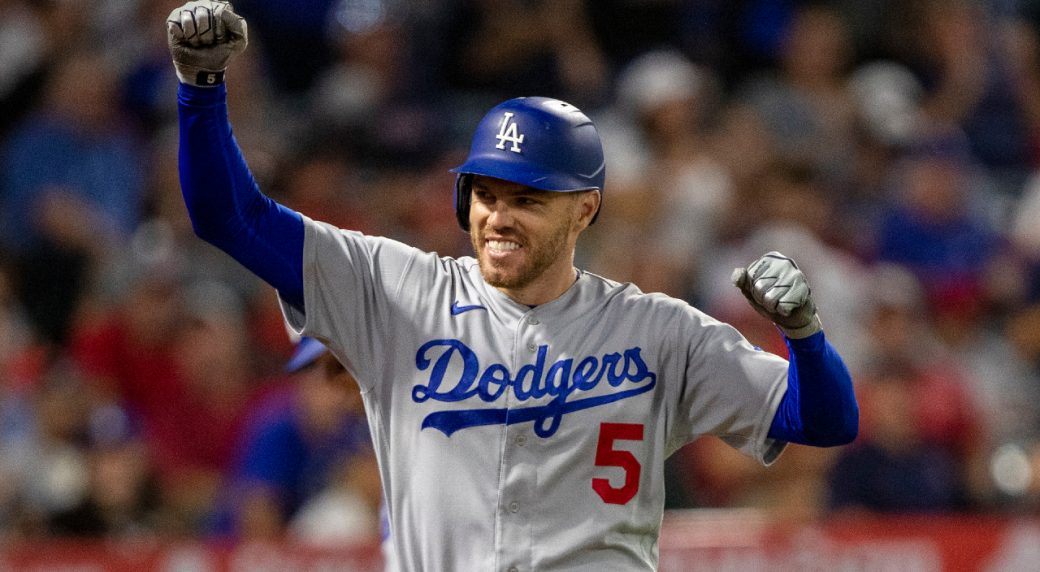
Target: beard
539 256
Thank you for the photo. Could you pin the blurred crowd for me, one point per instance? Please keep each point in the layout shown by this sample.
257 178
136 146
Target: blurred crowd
892 147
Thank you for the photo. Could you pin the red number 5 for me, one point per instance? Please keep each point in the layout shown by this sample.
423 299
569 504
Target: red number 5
607 456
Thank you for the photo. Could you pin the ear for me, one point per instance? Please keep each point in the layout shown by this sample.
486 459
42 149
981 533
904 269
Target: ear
588 206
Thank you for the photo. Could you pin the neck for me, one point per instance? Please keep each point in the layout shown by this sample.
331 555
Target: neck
544 290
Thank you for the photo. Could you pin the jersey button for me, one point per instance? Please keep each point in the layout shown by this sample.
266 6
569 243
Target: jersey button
521 440
532 346
513 569
514 507
533 321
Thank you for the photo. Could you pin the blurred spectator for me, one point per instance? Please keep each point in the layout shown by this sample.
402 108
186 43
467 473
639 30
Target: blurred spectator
888 121
346 510
73 171
744 146
947 410
412 206
893 467
292 37
121 499
1025 235
146 79
306 461
625 29
17 339
1023 328
323 184
981 73
177 357
126 350
805 104
73 184
18 447
23 59
888 98
722 35
378 102
54 477
707 474
197 429
932 224
510 48
21 367
1001 378
668 187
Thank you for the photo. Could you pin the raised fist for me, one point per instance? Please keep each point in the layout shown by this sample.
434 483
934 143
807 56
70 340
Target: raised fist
203 36
777 289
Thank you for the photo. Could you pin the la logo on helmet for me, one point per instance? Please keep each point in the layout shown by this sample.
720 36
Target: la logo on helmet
508 131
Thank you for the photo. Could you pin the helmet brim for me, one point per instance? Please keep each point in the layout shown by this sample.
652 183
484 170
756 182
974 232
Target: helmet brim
521 173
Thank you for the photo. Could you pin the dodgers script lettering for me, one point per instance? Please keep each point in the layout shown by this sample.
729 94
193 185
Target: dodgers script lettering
561 380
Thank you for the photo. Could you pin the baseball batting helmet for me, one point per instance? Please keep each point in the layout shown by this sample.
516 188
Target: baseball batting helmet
538 142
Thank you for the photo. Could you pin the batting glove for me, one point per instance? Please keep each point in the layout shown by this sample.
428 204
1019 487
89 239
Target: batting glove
777 289
203 35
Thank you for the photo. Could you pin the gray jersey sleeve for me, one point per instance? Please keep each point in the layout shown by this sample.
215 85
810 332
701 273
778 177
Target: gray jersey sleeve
730 388
350 283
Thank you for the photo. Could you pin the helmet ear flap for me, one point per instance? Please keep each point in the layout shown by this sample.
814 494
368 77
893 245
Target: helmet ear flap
463 184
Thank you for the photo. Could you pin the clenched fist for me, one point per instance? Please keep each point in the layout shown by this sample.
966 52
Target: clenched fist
203 36
777 289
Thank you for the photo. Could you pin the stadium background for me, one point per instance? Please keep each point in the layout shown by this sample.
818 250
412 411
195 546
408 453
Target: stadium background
892 146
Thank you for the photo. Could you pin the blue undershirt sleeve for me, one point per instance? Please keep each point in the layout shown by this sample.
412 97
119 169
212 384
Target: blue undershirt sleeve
819 407
224 202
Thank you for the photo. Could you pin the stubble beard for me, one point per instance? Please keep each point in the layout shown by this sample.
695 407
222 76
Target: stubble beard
538 259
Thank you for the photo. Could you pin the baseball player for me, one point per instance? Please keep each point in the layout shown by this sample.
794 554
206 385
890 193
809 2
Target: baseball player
522 409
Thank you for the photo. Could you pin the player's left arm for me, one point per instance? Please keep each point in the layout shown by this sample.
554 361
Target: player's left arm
819 407
223 199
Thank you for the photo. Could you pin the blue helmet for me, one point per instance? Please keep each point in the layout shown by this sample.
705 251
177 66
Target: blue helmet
538 142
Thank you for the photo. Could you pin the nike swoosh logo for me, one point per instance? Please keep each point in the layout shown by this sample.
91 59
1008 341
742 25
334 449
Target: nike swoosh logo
456 309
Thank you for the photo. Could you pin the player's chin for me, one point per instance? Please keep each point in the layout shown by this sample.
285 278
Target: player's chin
496 278
499 274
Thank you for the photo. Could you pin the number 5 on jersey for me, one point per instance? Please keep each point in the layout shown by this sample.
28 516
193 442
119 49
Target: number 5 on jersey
608 456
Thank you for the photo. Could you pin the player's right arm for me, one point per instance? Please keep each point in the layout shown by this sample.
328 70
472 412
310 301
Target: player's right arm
224 202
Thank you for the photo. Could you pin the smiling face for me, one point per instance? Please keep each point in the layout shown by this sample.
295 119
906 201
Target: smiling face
524 238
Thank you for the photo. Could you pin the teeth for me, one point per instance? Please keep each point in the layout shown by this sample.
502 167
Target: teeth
502 245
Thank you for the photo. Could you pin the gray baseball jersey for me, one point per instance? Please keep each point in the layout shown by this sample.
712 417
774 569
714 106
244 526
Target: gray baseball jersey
514 438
